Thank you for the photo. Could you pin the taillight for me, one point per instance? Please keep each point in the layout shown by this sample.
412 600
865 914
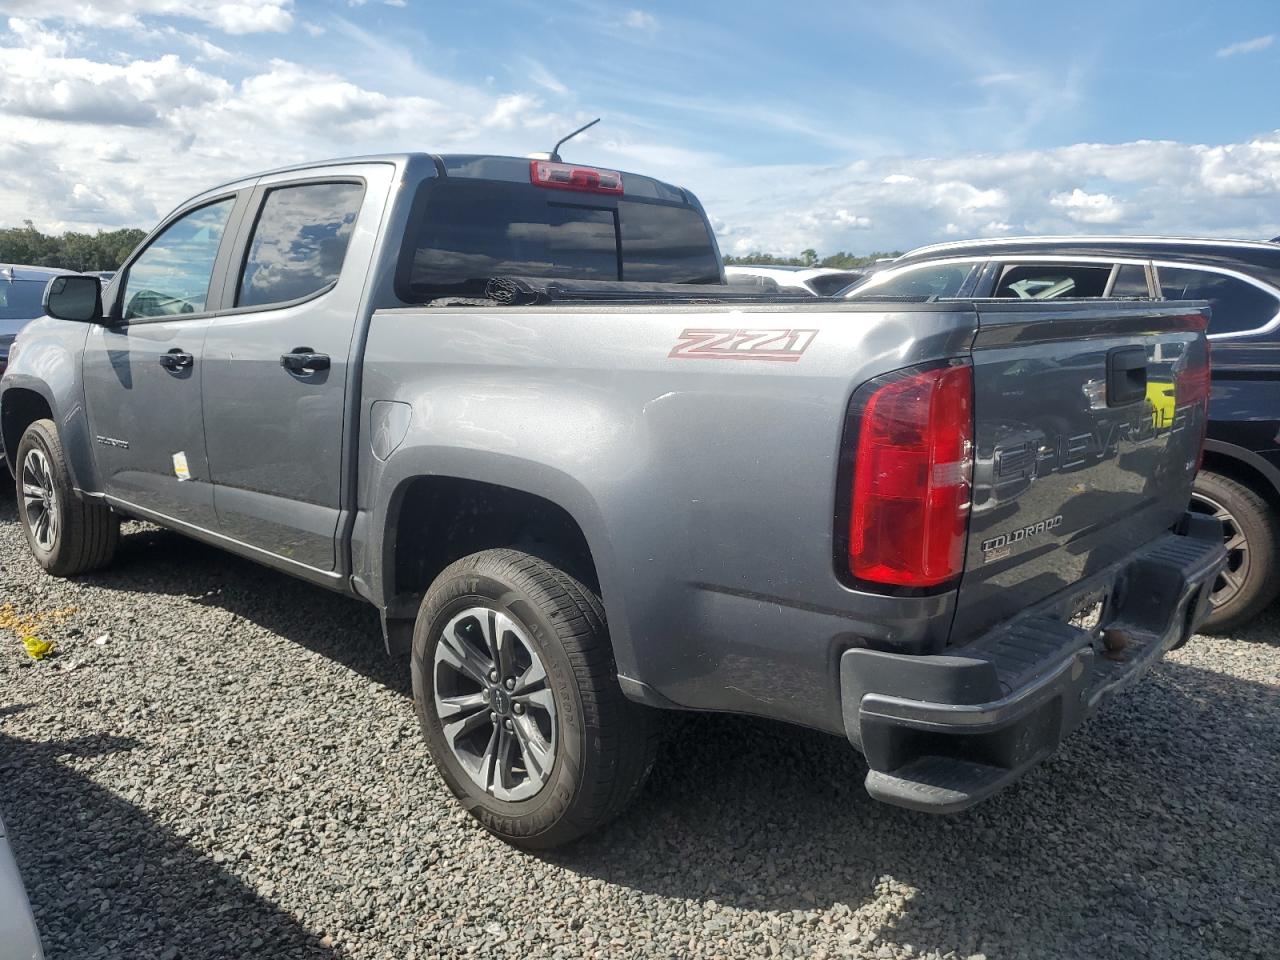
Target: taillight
1194 385
912 466
566 176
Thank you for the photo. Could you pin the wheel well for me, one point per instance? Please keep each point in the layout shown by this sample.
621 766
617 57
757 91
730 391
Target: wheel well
1215 461
21 409
442 519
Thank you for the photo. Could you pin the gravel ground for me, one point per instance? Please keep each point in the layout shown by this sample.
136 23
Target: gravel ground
236 771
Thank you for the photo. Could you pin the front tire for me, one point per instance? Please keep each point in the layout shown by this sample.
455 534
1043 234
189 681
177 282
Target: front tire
1248 583
517 693
68 535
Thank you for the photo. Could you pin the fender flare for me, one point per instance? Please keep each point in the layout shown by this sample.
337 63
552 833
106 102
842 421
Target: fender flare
1268 471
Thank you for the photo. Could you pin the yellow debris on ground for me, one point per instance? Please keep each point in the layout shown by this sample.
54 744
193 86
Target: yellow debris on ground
24 624
36 648
27 627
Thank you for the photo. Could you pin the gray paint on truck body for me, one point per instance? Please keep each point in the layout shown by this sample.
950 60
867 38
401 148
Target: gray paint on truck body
705 486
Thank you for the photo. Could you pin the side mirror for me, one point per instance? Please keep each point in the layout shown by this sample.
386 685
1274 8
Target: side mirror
74 297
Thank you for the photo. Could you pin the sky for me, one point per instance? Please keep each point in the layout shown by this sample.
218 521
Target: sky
836 126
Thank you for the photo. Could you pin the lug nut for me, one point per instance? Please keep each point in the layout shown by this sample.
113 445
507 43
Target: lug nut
510 684
507 724
493 676
493 717
517 708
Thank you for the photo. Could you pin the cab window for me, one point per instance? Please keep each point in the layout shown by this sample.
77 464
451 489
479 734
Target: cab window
171 277
299 242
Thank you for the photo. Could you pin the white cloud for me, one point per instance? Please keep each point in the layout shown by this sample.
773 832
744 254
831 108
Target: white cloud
164 127
1088 207
640 20
230 16
1248 46
35 37
140 93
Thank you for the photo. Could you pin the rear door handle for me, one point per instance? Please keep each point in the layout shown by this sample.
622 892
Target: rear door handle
1126 375
304 360
176 359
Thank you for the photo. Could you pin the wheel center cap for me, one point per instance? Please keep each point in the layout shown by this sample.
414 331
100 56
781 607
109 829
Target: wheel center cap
500 700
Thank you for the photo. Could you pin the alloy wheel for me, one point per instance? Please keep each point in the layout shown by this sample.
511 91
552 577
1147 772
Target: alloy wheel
495 706
39 499
1236 572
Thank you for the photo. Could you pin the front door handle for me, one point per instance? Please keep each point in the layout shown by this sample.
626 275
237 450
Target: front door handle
176 359
304 360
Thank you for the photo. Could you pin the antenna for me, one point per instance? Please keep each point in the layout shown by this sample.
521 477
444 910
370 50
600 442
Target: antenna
555 151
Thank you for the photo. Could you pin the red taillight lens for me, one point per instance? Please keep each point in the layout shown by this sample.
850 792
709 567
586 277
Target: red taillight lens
911 475
566 176
1194 385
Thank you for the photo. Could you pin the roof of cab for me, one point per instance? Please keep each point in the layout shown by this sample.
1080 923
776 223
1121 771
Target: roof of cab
475 165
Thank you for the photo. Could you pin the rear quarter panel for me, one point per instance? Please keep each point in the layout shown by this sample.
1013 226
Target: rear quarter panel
704 482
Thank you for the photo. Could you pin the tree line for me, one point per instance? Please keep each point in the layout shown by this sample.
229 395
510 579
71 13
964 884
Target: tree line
104 250
810 258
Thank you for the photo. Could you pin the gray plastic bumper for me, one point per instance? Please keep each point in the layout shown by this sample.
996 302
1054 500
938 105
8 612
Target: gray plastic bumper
941 733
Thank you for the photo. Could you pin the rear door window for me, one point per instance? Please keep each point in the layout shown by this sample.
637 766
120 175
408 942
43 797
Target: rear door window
1047 281
1238 305
299 242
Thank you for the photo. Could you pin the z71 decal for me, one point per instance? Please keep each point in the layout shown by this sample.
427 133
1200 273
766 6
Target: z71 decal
784 346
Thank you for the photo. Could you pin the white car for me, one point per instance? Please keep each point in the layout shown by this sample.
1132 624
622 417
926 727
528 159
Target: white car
815 281
18 937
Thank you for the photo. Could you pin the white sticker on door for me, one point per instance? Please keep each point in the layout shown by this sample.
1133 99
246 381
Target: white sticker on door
180 468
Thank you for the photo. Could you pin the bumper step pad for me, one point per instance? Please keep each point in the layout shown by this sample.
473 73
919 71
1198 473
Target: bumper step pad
941 733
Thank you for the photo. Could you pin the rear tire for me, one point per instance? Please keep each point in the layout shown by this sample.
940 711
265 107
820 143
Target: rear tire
68 535
1248 584
575 751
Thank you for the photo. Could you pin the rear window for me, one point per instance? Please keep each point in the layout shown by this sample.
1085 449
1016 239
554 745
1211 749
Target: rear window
21 299
470 230
941 280
829 284
1237 305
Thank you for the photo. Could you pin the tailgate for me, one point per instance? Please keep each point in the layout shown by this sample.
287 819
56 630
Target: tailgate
1088 422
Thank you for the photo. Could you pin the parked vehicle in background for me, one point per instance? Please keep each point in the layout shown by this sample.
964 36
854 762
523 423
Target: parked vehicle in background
574 497
21 288
815 281
19 938
1239 482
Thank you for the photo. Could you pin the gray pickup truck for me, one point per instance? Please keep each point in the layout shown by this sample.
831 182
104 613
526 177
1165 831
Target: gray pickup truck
466 390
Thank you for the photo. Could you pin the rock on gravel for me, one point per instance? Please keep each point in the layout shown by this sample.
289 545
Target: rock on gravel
237 772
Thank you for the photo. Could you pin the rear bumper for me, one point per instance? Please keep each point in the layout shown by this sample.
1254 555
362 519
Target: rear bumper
941 733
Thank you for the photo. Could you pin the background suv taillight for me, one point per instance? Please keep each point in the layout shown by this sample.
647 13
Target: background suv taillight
912 467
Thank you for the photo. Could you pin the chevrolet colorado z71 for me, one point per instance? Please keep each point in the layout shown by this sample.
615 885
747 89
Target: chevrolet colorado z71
467 390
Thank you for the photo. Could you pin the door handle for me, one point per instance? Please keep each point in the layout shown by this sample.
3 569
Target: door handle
1126 375
304 360
176 359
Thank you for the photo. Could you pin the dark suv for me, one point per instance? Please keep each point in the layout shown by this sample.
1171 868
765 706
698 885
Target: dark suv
1240 479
